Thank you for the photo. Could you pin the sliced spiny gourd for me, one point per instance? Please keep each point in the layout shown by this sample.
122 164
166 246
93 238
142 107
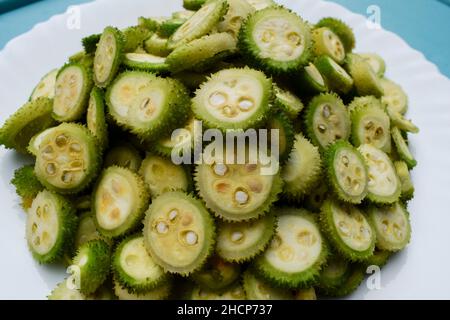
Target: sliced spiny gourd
352 281
334 274
90 43
72 88
376 63
67 158
326 42
302 170
258 289
276 40
379 258
202 53
405 179
146 62
306 294
183 14
296 253
65 290
151 23
392 226
403 148
162 175
181 140
370 124
134 268
108 56
84 59
336 77
311 81
51 224
91 264
394 97
26 184
365 102
135 36
217 275
314 199
87 230
159 293
179 232
96 118
366 81
341 29
401 122
147 105
156 45
242 241
288 102
119 201
238 11
123 155
278 120
348 230
234 190
30 119
46 86
261 4
193 4
384 185
169 26
201 23
327 120
346 172
233 99
236 292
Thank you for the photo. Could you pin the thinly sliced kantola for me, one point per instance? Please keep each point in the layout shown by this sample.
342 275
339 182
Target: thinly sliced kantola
159 293
119 201
217 275
392 226
162 175
258 289
242 241
199 54
134 37
157 45
276 40
26 184
46 86
302 170
238 11
236 292
180 222
65 290
288 102
365 102
402 148
67 158
327 120
346 172
384 185
87 230
366 81
297 251
399 120
201 23
334 274
108 56
336 77
84 59
51 224
341 29
146 62
326 42
123 155
280 121
311 80
405 179
134 268
376 63
96 118
306 294
177 142
393 96
348 230
32 118
90 42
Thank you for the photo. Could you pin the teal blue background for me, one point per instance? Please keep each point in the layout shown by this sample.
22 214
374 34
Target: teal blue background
424 24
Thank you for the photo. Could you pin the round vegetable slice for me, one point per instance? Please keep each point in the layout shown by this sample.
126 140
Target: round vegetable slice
238 11
311 81
146 62
46 86
234 293
50 226
217 275
401 122
384 185
233 99
288 102
258 289
242 241
376 63
297 252
119 201
394 97
334 274
178 141
64 292
348 230
365 102
392 227
336 77
26 184
180 222
123 155
327 120
169 26
276 40
347 172
157 45
366 81
159 293
326 42
306 294
341 29
402 148
405 179
108 56
95 118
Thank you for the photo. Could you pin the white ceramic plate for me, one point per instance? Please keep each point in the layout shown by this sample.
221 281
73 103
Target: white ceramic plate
419 272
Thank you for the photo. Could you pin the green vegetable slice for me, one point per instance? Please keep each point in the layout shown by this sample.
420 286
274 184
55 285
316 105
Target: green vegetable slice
311 81
159 293
306 294
146 62
366 81
193 4
157 45
90 43
384 185
123 155
180 222
341 29
66 291
297 252
46 86
183 14
169 26
348 230
51 223
376 63
96 118
238 11
401 122
288 102
258 289
242 241
405 179
87 230
280 121
26 184
334 274
394 97
365 102
217 275
108 56
119 201
177 142
326 42
336 76
234 293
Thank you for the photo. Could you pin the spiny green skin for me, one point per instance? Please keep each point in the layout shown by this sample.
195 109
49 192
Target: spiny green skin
169 27
251 285
329 280
252 52
279 120
338 106
84 59
366 81
365 102
96 270
118 55
308 84
123 155
202 28
101 132
379 258
156 45
341 29
335 80
27 185
90 42
193 4
146 66
329 156
373 56
353 280
150 24
134 37
405 178
160 293
270 221
291 108
402 148
293 280
328 227
125 280
197 53
217 275
32 118
209 237
67 221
